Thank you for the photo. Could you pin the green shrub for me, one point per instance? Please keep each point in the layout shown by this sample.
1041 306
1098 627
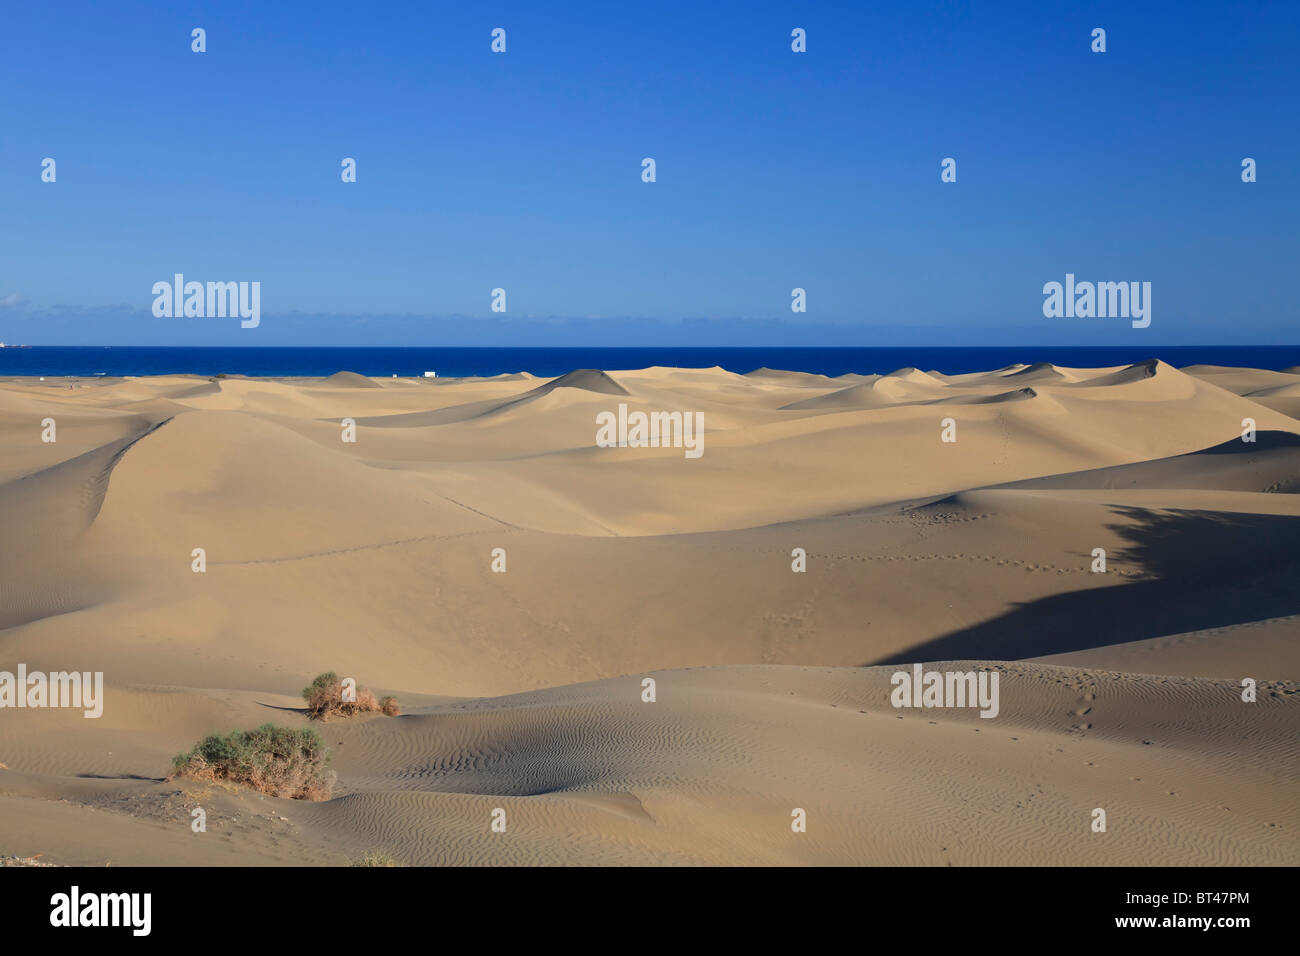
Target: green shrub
279 761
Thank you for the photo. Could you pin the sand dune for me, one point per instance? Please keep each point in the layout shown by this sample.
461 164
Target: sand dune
347 380
878 392
522 690
588 379
797 379
1137 372
1275 391
1271 463
1042 372
1019 395
712 771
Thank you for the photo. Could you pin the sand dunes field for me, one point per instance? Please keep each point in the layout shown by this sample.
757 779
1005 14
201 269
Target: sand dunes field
523 690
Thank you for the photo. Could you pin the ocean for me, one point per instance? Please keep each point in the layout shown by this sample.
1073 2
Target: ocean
456 362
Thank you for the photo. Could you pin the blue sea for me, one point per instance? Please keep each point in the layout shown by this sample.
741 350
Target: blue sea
546 362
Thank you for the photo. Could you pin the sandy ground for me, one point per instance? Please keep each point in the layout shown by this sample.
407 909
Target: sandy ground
522 691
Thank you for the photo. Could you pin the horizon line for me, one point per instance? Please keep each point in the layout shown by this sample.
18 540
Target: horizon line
614 348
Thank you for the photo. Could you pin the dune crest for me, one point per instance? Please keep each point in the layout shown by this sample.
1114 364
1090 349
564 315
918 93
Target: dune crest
347 380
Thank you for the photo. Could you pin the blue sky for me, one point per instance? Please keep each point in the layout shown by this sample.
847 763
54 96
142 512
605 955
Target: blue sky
523 171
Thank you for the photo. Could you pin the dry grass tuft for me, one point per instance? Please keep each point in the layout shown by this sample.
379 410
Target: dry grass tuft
324 697
375 858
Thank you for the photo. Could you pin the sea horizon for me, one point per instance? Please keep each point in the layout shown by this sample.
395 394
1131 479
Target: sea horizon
462 362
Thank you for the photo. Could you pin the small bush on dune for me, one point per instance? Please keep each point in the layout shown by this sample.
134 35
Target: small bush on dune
279 761
324 697
375 858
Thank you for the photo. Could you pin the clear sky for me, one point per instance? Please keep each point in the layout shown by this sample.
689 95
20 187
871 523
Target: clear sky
775 170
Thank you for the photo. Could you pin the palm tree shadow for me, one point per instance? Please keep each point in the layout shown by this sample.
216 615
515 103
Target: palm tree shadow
1202 570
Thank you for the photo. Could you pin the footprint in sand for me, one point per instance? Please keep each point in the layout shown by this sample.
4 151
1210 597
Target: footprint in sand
1083 708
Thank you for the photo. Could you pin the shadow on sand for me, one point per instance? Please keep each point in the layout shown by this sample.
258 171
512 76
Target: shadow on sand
1203 569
